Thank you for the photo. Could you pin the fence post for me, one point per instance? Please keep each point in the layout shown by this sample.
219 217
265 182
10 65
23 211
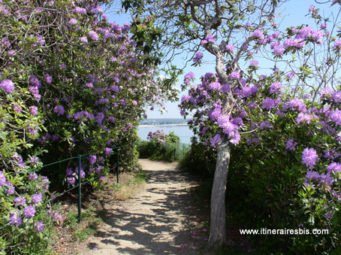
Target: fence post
79 188
117 165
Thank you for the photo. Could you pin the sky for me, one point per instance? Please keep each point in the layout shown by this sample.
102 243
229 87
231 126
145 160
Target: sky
291 13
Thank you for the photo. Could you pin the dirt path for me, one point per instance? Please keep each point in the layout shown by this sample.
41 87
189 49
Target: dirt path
159 220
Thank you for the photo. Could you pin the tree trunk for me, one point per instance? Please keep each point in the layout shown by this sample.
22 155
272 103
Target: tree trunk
218 218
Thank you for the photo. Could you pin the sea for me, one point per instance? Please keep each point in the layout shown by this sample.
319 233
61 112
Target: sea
178 126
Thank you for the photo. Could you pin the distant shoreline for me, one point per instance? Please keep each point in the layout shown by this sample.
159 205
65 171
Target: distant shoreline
162 125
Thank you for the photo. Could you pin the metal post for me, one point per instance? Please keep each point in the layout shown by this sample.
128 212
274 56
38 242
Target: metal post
117 167
79 188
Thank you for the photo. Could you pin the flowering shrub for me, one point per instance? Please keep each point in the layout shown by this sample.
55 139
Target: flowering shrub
160 146
71 83
244 107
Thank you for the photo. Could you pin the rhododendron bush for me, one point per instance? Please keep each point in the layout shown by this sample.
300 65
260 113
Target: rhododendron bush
242 105
71 83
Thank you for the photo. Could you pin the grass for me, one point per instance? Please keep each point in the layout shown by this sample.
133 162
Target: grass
88 225
130 186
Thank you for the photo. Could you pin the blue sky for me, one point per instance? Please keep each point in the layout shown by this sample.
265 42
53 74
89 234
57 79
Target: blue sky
291 13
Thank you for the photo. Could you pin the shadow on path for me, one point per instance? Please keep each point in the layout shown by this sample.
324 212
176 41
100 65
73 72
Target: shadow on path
160 220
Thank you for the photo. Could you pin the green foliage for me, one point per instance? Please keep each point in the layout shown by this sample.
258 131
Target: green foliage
199 160
165 149
265 190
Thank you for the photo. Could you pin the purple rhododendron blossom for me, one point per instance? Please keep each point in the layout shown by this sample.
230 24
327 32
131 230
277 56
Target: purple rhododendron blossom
290 145
214 86
93 36
229 48
335 116
80 10
15 219
32 176
312 175
309 157
334 167
29 212
254 63
235 75
336 96
7 86
37 198
107 151
34 110
269 103
304 118
19 201
92 159
84 39
59 110
48 78
275 88
39 226
198 57
73 21
215 140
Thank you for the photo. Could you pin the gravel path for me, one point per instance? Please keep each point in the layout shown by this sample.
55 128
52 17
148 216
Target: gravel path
159 220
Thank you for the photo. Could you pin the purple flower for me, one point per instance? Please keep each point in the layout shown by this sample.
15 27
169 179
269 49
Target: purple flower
278 50
37 198
92 159
73 21
107 151
7 86
80 10
19 201
10 190
2 179
214 86
198 57
290 145
296 104
235 75
337 96
17 108
312 175
309 157
93 36
254 63
269 103
265 125
34 110
275 88
335 116
34 81
59 110
304 118
32 176
189 77
258 34
39 226
334 167
71 180
208 39
48 78
15 219
29 211
229 48
215 140
83 39
249 91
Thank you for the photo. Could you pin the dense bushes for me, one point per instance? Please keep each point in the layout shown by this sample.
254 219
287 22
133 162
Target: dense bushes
71 83
268 188
199 159
160 146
